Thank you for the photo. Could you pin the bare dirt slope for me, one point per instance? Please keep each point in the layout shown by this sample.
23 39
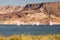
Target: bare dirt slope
37 13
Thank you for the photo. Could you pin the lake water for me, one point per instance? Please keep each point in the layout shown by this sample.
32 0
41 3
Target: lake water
14 29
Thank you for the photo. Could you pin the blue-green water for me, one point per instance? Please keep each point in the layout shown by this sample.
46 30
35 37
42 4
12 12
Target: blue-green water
14 29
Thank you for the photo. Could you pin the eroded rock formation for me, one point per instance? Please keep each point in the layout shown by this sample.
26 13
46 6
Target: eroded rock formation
39 13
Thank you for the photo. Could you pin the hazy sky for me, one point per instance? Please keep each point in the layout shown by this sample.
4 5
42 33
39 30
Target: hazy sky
23 2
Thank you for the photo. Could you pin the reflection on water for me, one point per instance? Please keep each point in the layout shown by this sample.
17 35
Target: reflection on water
14 29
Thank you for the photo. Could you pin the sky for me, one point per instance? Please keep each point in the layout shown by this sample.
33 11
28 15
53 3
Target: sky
23 2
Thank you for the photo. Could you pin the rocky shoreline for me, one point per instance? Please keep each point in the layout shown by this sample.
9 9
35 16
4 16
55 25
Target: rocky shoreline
47 13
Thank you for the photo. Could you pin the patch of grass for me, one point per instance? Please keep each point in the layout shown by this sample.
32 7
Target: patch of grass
31 37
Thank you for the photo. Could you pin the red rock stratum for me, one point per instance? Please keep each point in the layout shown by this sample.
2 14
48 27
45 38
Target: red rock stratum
37 13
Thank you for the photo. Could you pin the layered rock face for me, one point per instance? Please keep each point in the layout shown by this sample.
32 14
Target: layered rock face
39 13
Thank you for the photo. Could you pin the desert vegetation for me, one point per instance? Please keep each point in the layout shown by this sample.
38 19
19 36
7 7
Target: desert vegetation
31 37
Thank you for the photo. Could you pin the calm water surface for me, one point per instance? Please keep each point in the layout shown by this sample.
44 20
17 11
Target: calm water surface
14 29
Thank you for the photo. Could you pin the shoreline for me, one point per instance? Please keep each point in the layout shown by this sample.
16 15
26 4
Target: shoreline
29 23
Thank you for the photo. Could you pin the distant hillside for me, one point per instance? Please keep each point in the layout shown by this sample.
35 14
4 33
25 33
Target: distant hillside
39 13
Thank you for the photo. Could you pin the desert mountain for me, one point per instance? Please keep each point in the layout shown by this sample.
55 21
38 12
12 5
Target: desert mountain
37 13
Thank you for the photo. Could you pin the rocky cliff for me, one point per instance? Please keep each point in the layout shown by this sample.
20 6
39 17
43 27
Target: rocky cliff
38 13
